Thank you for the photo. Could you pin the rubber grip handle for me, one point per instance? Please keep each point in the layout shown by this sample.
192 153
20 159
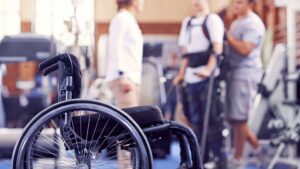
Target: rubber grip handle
50 69
50 61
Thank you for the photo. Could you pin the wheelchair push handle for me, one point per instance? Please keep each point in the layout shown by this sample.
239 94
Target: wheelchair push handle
48 62
52 64
50 69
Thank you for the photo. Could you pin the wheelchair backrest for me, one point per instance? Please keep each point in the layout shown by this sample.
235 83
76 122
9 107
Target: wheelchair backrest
69 74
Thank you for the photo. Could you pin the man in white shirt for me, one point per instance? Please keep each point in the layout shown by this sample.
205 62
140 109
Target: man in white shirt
200 56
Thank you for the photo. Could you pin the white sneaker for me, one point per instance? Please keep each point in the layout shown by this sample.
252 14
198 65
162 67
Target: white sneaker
236 164
210 165
258 157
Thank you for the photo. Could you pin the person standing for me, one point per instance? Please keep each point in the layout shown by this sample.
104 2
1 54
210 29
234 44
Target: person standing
245 39
200 51
125 53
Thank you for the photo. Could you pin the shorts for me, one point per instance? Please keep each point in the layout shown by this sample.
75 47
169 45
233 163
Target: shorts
240 97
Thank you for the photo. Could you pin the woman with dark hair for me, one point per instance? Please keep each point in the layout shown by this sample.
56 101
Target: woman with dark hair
125 53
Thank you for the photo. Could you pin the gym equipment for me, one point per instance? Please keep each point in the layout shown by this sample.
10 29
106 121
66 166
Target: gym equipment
287 137
26 47
88 130
21 49
264 100
21 111
281 115
46 149
7 143
152 81
289 87
17 111
288 131
152 75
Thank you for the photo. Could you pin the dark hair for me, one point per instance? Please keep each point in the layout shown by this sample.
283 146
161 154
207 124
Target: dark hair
123 3
252 1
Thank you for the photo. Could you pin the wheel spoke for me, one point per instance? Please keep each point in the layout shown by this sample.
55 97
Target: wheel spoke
103 138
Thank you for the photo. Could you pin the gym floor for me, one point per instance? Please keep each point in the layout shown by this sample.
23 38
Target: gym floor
171 162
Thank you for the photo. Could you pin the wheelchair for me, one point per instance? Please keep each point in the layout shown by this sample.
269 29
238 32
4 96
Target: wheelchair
84 134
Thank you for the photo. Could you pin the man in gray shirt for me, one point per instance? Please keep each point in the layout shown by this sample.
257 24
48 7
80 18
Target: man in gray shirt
245 39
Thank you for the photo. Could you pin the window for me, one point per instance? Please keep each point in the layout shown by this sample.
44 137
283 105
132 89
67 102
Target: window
57 18
10 20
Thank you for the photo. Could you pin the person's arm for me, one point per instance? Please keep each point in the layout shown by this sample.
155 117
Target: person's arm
216 32
116 39
180 76
212 62
241 46
182 42
117 32
251 37
218 49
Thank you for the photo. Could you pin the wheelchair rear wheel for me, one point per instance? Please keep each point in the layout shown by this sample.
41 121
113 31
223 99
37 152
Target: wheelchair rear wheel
85 135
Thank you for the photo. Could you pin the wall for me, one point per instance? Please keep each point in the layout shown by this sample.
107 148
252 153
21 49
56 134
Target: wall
162 11
158 12
159 17
27 7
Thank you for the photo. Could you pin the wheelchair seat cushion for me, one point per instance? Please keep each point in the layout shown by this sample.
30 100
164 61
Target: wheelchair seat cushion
145 116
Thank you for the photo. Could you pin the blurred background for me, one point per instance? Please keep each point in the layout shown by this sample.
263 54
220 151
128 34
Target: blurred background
32 30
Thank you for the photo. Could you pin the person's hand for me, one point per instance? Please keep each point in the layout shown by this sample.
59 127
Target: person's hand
177 80
203 73
126 85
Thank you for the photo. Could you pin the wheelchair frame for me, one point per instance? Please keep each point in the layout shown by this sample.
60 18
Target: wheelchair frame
190 150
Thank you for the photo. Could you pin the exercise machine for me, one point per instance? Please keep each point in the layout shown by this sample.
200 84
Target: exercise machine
273 107
16 110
